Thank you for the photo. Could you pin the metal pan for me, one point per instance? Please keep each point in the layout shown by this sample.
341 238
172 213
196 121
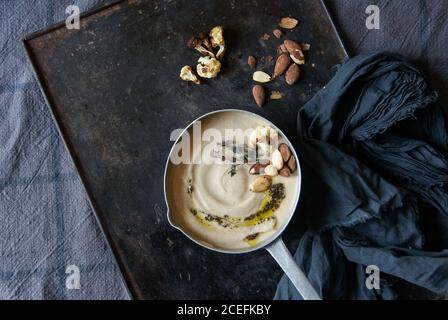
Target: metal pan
274 245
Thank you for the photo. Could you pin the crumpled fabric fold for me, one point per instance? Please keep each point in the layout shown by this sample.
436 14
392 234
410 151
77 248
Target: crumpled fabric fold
373 146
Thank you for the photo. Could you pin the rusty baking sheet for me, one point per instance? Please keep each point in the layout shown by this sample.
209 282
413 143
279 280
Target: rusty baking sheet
114 90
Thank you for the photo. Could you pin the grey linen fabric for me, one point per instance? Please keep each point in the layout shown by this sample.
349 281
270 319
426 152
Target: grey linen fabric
46 223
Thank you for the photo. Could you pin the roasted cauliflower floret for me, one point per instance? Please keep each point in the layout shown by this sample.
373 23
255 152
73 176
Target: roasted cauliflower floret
187 74
202 45
217 40
206 41
208 67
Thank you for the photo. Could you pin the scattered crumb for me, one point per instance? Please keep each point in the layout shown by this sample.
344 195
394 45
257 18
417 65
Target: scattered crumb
277 33
305 46
252 62
276 95
265 37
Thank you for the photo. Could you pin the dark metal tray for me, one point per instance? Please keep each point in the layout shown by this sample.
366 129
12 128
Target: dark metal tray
114 90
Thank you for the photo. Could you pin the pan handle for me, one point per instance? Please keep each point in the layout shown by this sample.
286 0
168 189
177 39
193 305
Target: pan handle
281 254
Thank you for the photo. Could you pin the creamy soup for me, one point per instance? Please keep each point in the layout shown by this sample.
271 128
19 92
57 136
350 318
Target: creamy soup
215 203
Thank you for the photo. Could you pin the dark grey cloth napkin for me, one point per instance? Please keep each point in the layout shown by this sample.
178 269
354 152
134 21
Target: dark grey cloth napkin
374 149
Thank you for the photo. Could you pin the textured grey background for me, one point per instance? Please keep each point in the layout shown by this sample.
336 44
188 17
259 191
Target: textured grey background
418 29
46 221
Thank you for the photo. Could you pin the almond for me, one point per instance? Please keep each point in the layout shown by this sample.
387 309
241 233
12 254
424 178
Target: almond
285 152
277 159
282 63
252 62
259 95
270 170
283 48
295 51
288 23
292 74
298 57
255 169
291 46
258 167
261 77
277 33
292 165
260 184
285 172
